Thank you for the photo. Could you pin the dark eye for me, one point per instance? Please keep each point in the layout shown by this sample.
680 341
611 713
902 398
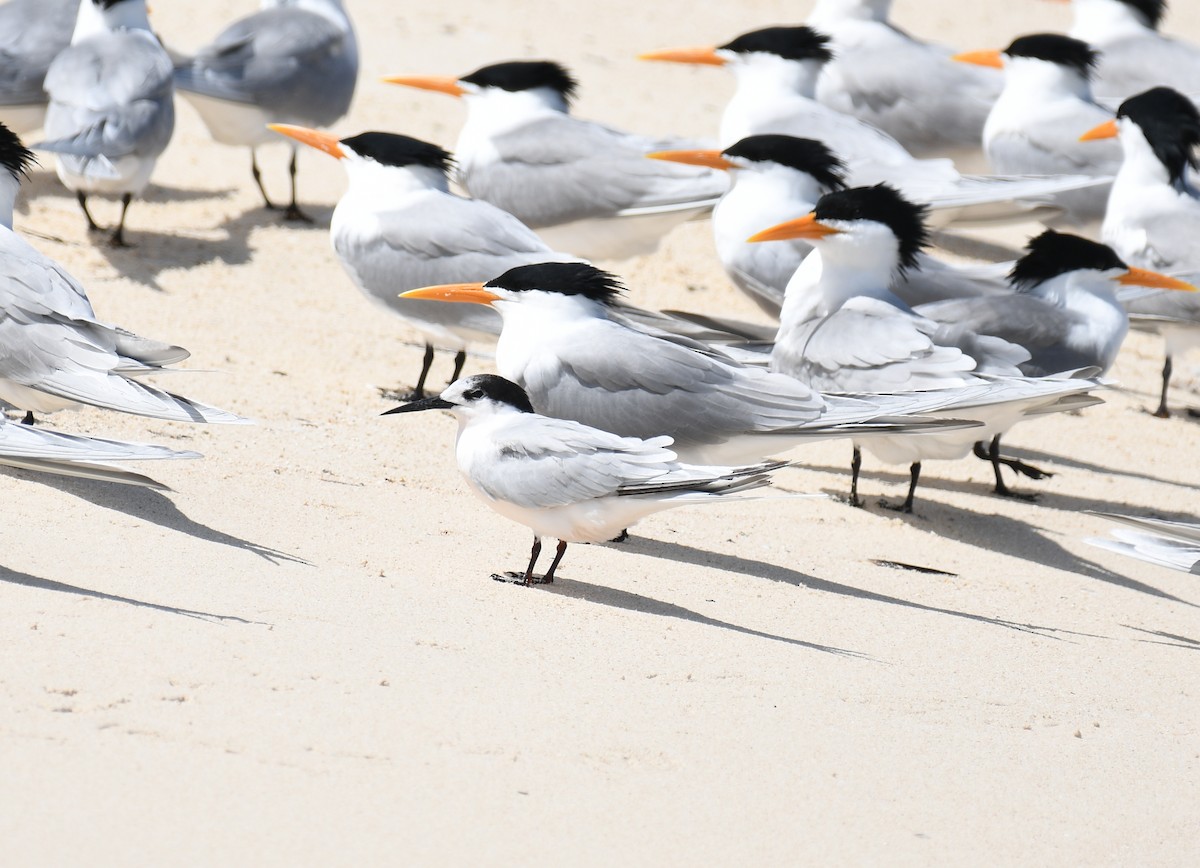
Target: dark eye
473 394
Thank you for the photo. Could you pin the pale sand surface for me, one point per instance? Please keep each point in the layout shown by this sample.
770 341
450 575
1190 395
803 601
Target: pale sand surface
298 658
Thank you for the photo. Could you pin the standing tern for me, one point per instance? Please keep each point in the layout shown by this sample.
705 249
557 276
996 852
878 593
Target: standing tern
566 480
1153 217
293 62
583 187
32 33
111 112
53 351
577 358
775 177
399 227
1134 55
908 88
777 69
844 329
1034 125
1173 544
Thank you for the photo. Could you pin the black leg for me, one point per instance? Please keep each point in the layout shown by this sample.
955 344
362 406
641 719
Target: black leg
621 537
418 391
914 473
1162 412
29 420
117 239
1001 489
992 454
548 579
254 170
855 467
293 211
460 359
526 578
93 226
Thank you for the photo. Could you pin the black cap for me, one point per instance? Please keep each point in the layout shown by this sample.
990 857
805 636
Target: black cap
881 204
565 278
392 149
518 75
14 156
1171 125
790 43
803 155
1056 48
1054 253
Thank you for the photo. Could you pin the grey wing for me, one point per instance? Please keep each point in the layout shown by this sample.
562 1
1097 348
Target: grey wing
636 384
546 462
32 33
1130 66
560 169
296 64
1164 240
1164 305
32 279
870 346
1020 319
110 95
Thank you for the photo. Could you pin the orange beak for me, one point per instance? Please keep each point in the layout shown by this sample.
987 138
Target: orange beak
313 138
1153 280
990 58
706 56
1106 130
439 83
473 293
805 227
710 159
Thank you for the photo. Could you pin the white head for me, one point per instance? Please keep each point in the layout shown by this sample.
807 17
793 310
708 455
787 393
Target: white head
473 398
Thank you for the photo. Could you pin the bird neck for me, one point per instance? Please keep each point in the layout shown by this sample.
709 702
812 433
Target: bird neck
8 197
1101 22
1141 165
377 187
1027 77
763 76
833 274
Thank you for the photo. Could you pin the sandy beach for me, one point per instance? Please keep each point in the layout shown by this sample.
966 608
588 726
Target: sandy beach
297 656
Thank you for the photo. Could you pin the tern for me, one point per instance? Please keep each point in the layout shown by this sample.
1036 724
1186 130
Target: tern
79 456
54 353
1153 217
566 344
777 69
566 480
583 187
32 33
773 178
111 112
908 88
1134 55
1034 126
843 329
293 62
1173 544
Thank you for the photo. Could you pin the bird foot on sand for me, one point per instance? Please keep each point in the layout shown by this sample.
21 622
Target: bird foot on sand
295 215
1015 495
514 578
404 396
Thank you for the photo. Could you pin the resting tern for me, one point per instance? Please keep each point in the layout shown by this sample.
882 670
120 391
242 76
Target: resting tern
1134 55
567 480
844 329
775 177
293 62
111 112
577 359
777 69
1153 217
908 88
1034 125
1173 544
53 351
399 227
75 455
585 188
32 33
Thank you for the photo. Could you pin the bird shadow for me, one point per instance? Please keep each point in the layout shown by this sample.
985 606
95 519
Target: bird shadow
14 577
774 572
153 507
632 602
240 226
1078 464
1171 640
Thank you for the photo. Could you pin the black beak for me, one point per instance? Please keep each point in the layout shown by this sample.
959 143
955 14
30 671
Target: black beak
424 403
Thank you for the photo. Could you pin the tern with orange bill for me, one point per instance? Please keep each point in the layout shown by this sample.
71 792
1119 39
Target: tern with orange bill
570 481
777 70
292 62
583 187
1153 216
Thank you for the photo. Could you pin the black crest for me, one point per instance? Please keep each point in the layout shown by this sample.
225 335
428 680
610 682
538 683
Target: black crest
106 4
881 204
14 156
518 75
1054 253
790 43
565 278
498 389
391 149
803 155
1171 125
1151 10
1056 48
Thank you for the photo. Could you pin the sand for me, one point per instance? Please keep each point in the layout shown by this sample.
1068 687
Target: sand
297 656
